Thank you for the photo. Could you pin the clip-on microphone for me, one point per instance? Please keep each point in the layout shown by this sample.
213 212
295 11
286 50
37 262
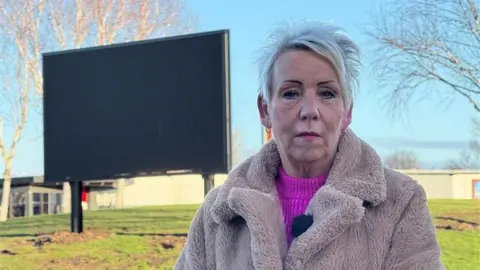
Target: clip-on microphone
301 224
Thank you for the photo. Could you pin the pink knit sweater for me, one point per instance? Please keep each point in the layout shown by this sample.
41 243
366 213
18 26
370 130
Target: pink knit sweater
294 195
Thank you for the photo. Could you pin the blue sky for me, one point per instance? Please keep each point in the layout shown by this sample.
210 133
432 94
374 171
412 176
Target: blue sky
249 23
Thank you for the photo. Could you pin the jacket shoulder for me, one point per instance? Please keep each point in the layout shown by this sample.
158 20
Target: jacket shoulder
401 187
413 242
210 199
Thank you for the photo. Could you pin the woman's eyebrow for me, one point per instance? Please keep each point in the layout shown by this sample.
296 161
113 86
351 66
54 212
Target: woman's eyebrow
321 83
326 82
292 81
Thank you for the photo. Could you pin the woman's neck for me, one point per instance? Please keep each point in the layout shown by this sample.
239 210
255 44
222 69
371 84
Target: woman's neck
306 169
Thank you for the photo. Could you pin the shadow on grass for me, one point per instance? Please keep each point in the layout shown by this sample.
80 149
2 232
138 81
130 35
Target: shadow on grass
13 235
471 223
18 235
154 234
107 224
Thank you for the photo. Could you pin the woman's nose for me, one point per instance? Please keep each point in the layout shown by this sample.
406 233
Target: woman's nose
309 109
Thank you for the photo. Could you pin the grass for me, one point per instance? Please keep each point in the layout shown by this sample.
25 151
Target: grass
460 249
135 241
134 238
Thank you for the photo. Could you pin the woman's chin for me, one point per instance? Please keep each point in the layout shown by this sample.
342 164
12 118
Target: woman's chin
309 155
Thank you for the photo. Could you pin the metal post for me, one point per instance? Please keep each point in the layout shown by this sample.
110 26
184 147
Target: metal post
208 183
76 216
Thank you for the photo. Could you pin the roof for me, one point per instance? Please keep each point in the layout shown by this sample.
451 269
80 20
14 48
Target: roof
25 180
447 172
29 180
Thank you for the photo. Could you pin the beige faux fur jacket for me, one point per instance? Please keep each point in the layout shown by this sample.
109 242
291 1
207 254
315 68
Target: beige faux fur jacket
240 224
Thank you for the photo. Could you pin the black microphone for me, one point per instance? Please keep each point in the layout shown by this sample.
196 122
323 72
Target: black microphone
367 204
301 224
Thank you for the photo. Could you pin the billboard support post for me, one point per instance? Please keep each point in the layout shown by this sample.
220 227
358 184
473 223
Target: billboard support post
76 216
208 182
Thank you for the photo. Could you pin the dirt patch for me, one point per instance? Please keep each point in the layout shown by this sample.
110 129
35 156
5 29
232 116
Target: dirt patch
71 263
451 223
163 250
68 237
152 258
65 237
169 241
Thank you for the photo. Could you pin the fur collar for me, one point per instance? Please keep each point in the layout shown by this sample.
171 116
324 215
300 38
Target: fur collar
356 171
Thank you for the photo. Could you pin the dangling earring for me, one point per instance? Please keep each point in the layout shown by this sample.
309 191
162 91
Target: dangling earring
268 135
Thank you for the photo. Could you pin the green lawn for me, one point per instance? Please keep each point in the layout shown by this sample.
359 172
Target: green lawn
460 249
114 239
151 238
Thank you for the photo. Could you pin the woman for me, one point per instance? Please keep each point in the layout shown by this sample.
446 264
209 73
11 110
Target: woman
316 196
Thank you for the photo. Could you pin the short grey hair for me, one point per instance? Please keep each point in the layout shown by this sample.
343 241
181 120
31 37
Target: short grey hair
324 39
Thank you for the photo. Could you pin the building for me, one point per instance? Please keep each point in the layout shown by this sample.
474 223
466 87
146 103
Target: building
448 184
153 190
30 196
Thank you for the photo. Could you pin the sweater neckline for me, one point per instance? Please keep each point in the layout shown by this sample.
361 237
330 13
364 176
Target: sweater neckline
298 188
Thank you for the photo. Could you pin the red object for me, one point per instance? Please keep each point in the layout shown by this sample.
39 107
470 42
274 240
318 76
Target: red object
84 194
268 135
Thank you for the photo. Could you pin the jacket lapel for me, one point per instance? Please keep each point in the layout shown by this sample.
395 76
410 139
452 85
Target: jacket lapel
263 217
333 213
356 177
250 193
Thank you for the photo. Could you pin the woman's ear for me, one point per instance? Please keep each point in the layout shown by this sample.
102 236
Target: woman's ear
263 112
347 118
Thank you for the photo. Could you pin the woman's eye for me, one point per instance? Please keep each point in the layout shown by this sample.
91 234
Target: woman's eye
327 94
290 94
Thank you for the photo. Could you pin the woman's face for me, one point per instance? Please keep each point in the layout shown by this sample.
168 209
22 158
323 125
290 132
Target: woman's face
306 112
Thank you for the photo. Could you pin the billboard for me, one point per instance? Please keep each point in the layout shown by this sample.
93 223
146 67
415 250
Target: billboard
140 108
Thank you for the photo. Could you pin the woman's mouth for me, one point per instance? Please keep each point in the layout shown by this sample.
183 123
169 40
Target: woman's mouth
309 135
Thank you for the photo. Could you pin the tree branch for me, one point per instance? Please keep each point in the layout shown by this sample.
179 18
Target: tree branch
421 45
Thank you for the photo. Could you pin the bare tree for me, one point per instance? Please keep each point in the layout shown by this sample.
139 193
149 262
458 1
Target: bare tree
402 160
46 25
36 26
14 102
470 157
427 49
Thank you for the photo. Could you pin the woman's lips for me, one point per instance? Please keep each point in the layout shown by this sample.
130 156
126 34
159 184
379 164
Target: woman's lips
309 136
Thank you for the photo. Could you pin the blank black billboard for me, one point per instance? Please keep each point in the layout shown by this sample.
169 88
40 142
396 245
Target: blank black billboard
139 108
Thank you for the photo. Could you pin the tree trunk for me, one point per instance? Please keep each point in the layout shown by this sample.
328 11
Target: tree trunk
7 181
